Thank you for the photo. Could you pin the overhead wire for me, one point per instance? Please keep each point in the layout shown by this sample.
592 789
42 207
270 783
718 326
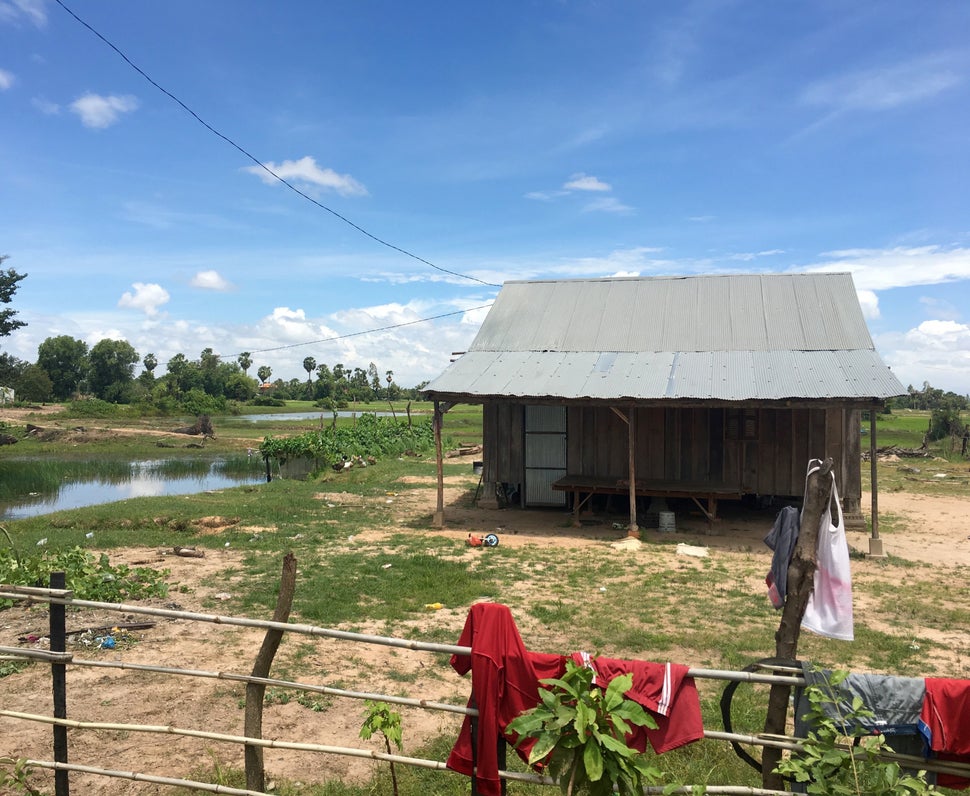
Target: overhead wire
260 163
363 332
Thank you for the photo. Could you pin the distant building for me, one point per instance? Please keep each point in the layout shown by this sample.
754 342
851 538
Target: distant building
700 387
6 395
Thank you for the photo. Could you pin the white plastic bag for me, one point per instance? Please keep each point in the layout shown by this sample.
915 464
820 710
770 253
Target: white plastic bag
829 611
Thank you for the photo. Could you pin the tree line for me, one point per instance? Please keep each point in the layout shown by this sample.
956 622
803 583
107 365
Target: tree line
67 369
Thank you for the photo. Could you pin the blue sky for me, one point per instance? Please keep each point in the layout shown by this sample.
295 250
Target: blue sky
506 140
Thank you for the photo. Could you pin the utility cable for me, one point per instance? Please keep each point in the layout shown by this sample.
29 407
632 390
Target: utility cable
262 165
365 331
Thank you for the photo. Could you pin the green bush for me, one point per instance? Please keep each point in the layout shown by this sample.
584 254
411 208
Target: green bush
89 577
371 436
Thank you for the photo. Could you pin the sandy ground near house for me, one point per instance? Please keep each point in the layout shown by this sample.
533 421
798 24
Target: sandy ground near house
936 531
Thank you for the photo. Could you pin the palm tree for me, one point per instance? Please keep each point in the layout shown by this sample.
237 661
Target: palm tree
245 361
264 372
309 365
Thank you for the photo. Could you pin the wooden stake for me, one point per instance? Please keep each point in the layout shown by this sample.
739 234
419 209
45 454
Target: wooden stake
801 581
255 772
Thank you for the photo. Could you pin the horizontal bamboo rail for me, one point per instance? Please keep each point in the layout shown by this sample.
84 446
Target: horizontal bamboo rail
790 676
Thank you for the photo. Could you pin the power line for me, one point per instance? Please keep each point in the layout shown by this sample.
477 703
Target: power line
366 331
262 165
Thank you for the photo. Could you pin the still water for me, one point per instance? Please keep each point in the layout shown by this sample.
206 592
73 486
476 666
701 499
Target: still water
145 479
325 414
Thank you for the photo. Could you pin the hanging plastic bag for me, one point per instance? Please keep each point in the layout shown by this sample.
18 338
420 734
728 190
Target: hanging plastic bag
829 610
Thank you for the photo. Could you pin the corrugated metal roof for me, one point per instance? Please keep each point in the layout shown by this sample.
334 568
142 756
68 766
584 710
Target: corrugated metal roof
712 375
763 312
730 338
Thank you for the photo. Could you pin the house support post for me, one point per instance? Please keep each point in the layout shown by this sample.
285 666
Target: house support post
801 581
439 515
633 529
875 543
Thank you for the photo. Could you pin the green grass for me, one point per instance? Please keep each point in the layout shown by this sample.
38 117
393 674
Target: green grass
710 612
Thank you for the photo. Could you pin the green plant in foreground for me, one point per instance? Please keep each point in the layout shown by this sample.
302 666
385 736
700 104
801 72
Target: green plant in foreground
829 762
380 718
581 729
15 774
90 577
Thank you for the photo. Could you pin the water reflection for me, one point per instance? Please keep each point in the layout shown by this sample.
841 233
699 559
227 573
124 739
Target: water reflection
151 478
325 414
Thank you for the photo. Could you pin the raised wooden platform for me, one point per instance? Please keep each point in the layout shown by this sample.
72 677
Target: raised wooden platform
586 485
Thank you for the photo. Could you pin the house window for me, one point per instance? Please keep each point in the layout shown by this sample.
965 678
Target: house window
742 424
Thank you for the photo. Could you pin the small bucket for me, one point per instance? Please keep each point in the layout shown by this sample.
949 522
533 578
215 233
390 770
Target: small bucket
477 467
666 522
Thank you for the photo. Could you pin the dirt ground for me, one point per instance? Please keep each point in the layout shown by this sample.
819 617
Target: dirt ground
937 532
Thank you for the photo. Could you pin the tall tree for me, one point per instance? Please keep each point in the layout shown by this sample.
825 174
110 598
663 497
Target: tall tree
309 364
245 361
65 359
264 372
112 370
9 281
375 380
150 362
324 381
178 368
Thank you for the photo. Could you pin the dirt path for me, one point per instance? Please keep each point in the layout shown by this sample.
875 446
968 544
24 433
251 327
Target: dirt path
930 530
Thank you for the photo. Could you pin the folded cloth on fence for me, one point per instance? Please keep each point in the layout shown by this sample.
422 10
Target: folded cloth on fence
665 690
895 703
945 724
505 683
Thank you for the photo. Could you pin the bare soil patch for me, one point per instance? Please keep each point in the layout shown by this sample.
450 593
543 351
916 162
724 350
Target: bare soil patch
930 530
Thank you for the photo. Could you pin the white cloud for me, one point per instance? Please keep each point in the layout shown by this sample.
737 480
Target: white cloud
210 280
98 112
748 256
16 11
306 170
607 204
146 297
881 269
884 88
586 182
6 79
545 196
869 302
940 308
45 106
935 351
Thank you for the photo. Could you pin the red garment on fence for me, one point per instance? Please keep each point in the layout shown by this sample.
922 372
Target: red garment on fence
505 683
945 723
665 690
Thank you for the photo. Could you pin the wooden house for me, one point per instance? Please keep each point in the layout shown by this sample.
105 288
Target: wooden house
700 387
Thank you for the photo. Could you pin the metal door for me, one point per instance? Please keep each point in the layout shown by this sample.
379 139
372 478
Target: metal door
545 454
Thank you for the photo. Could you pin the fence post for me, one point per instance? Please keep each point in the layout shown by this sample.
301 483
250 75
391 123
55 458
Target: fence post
801 581
58 641
253 755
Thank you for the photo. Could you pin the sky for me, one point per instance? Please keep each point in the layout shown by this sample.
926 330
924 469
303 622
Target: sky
430 151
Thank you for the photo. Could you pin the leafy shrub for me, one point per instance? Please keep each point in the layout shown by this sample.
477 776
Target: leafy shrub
371 436
945 423
199 402
266 400
88 576
93 407
582 729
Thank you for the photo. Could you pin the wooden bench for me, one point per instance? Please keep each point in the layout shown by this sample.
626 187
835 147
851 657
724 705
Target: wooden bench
583 487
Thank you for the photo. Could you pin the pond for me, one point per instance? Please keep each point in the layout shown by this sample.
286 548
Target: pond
326 414
29 488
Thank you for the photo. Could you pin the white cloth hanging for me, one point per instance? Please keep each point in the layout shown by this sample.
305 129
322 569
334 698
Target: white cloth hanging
829 610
